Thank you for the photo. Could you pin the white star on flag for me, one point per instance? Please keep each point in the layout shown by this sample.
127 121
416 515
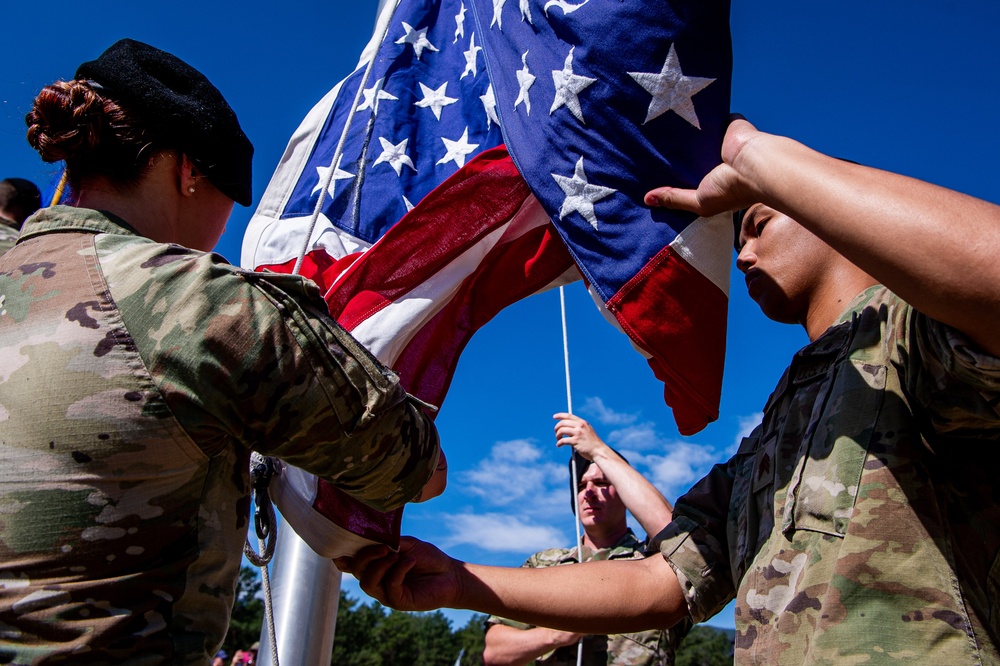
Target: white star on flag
435 100
324 173
671 90
568 87
497 10
416 38
581 195
526 11
374 95
470 57
457 150
460 23
395 155
567 7
489 101
525 79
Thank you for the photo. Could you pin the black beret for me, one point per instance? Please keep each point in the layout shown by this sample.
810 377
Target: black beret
182 108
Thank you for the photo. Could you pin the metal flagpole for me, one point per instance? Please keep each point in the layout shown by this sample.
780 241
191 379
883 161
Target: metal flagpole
305 588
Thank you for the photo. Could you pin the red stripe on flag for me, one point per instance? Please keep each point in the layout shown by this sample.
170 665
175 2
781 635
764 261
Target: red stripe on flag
511 272
347 512
678 315
479 198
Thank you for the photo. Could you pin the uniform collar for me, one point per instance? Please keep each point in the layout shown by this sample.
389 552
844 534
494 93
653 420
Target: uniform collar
628 541
68 218
858 303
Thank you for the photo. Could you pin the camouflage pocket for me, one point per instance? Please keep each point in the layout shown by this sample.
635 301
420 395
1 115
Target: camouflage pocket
824 487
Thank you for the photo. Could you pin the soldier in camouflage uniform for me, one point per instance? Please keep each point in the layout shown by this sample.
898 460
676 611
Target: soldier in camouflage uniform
860 522
19 198
606 536
136 375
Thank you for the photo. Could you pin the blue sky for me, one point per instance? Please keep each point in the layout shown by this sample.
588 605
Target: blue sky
908 86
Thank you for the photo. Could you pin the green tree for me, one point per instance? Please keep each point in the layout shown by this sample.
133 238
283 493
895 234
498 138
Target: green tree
472 641
367 635
354 641
248 612
705 646
421 639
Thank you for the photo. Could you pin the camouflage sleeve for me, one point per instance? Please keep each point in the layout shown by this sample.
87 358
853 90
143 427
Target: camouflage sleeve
696 542
957 384
256 358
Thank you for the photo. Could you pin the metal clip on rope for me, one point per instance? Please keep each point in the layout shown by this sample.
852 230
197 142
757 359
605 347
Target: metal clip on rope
261 472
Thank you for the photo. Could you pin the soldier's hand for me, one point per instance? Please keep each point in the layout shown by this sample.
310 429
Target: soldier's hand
724 188
417 577
579 434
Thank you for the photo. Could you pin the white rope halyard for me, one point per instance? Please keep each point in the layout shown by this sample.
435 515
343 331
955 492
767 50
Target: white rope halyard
262 470
339 151
572 457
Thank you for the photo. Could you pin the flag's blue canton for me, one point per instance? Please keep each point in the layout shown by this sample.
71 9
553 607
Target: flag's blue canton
371 195
600 101
603 48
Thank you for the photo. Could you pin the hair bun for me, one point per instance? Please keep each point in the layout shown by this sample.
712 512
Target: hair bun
67 120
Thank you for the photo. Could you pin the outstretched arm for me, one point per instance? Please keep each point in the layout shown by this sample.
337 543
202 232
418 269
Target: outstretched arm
623 596
641 498
510 646
934 247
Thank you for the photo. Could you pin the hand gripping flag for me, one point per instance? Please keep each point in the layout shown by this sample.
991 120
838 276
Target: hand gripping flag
526 132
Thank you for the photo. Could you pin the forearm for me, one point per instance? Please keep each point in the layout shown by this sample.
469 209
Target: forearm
934 247
641 498
622 596
510 646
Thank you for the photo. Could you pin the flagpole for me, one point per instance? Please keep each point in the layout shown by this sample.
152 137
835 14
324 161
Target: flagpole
305 589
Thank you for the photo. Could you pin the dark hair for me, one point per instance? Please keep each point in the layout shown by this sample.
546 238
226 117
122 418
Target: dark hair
93 134
19 198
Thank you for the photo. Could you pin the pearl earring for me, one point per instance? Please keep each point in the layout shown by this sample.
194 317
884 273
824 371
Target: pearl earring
191 190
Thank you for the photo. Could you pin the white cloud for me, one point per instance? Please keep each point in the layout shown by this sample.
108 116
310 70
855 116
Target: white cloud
605 415
747 424
498 532
516 473
516 451
682 465
641 437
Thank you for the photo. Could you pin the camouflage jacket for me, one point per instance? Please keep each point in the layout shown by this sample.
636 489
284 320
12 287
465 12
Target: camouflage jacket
859 523
8 236
648 648
135 377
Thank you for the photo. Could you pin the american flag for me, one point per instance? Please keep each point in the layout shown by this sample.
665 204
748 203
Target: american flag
398 195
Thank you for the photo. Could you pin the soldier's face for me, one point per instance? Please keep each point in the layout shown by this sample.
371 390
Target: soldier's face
783 263
598 501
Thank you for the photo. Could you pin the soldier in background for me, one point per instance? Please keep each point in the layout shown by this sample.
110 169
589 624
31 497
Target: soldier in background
19 198
860 522
605 487
136 376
